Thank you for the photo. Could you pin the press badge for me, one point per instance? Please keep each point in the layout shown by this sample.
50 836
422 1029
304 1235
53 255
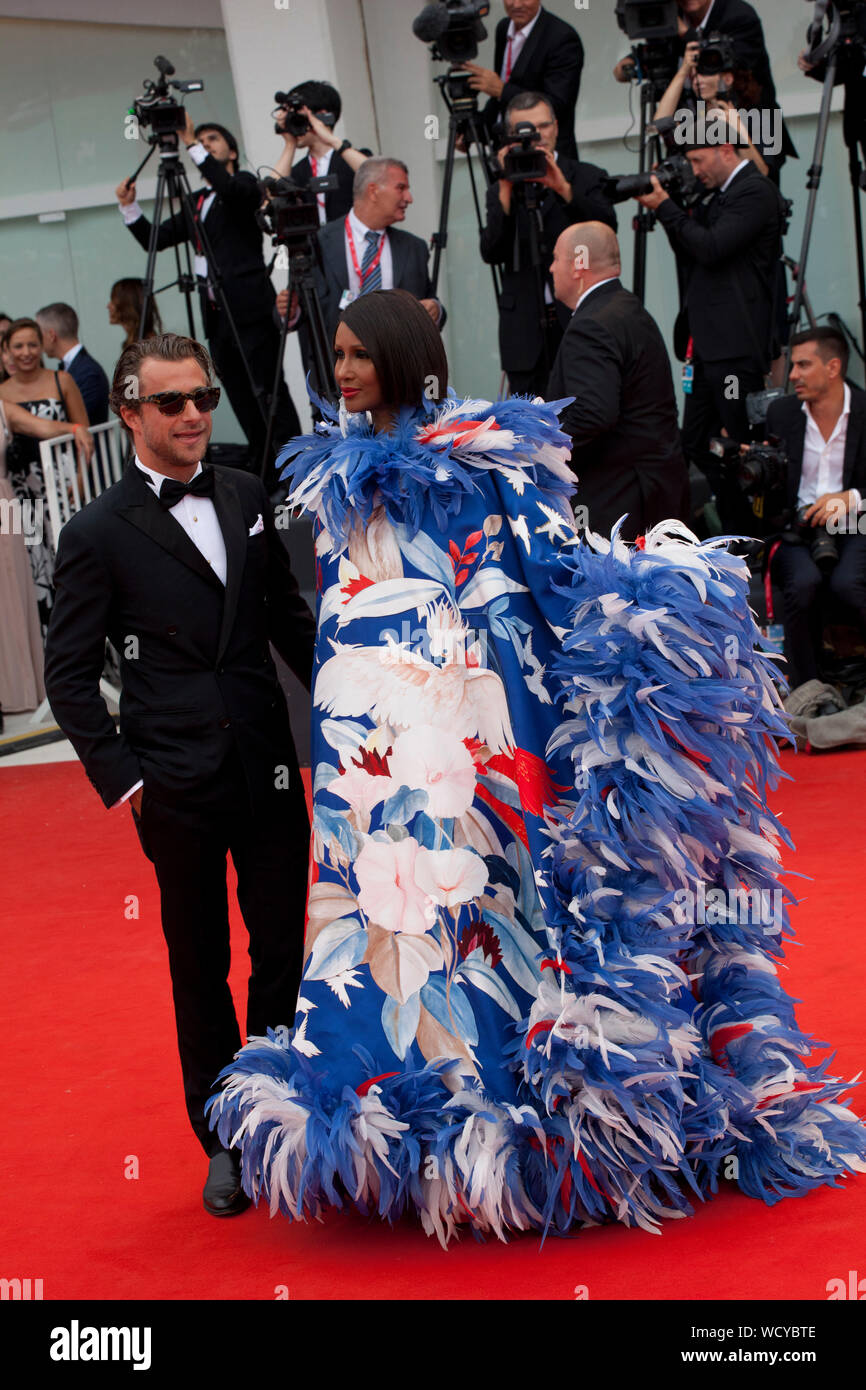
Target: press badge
346 298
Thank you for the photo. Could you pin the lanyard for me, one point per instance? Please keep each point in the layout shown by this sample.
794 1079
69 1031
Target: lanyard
362 276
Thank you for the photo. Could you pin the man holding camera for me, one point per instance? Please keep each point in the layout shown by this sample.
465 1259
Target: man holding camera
822 427
729 249
226 208
317 106
526 212
534 51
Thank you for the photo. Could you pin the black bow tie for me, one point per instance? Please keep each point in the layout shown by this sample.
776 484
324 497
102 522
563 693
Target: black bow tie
172 491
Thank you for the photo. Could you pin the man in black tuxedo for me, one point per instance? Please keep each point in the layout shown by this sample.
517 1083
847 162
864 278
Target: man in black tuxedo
534 51
626 454
823 429
730 250
59 324
181 568
367 252
531 320
327 155
226 207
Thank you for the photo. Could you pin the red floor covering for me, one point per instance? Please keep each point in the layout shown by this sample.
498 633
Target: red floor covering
92 1088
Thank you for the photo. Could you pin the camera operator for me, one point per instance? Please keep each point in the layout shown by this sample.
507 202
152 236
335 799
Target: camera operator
569 191
698 19
534 51
326 153
227 208
823 430
729 249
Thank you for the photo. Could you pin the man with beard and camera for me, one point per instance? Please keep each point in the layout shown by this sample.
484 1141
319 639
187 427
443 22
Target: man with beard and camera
822 428
525 215
317 106
534 51
180 566
729 251
623 421
226 208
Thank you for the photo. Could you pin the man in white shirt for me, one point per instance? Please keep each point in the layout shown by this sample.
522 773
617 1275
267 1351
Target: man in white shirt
180 567
59 324
823 429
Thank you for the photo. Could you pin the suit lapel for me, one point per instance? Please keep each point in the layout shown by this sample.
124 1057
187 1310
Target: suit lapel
142 508
798 438
852 441
233 527
529 46
333 239
399 257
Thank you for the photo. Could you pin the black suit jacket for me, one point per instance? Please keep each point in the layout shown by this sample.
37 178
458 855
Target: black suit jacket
731 245
786 419
520 339
626 454
742 24
234 236
338 200
550 61
198 677
408 258
93 385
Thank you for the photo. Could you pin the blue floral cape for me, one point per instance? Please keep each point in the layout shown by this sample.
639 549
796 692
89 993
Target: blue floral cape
544 916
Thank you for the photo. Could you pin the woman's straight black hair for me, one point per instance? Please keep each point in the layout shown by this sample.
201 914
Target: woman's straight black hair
404 344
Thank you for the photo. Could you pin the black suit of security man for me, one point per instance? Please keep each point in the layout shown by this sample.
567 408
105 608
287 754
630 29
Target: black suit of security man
236 242
623 422
93 385
550 61
526 349
798 575
204 723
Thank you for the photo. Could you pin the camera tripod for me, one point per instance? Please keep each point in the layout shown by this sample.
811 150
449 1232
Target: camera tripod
463 121
842 42
173 190
649 153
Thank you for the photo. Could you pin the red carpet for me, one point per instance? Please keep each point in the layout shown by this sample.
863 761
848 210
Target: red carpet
92 1091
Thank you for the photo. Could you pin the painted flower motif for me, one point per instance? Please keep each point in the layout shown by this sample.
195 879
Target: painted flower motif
390 892
450 876
480 936
362 791
434 760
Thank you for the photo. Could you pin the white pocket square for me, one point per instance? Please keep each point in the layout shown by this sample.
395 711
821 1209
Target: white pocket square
259 526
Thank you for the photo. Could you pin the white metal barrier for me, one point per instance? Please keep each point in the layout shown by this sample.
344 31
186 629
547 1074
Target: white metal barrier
70 484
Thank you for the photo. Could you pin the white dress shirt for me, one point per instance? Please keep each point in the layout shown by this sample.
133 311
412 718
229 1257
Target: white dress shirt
732 175
701 28
386 264
197 516
518 38
69 357
824 459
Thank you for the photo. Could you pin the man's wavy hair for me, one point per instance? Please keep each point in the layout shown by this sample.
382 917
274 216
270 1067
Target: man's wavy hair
165 347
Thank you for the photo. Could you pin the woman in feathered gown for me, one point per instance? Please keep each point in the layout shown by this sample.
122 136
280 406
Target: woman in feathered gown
544 916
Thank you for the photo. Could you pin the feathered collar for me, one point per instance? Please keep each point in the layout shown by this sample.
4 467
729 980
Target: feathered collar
433 456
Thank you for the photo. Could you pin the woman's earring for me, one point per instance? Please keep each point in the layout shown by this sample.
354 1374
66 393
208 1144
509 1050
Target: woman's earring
344 418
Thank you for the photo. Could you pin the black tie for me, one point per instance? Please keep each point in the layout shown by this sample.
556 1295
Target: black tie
172 491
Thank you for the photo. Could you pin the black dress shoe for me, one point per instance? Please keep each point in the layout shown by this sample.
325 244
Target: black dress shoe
223 1194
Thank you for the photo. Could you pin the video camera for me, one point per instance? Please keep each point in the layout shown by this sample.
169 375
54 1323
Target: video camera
289 214
453 28
654 24
157 108
524 161
296 122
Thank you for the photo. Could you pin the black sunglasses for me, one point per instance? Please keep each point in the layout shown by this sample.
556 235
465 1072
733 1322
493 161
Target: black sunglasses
204 398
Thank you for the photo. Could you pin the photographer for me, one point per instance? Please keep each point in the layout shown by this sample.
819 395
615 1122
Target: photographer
730 90
319 105
227 209
534 51
729 249
823 430
568 192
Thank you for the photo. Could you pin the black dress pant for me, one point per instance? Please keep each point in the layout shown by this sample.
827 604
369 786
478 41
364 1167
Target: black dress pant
718 401
802 582
260 342
188 847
